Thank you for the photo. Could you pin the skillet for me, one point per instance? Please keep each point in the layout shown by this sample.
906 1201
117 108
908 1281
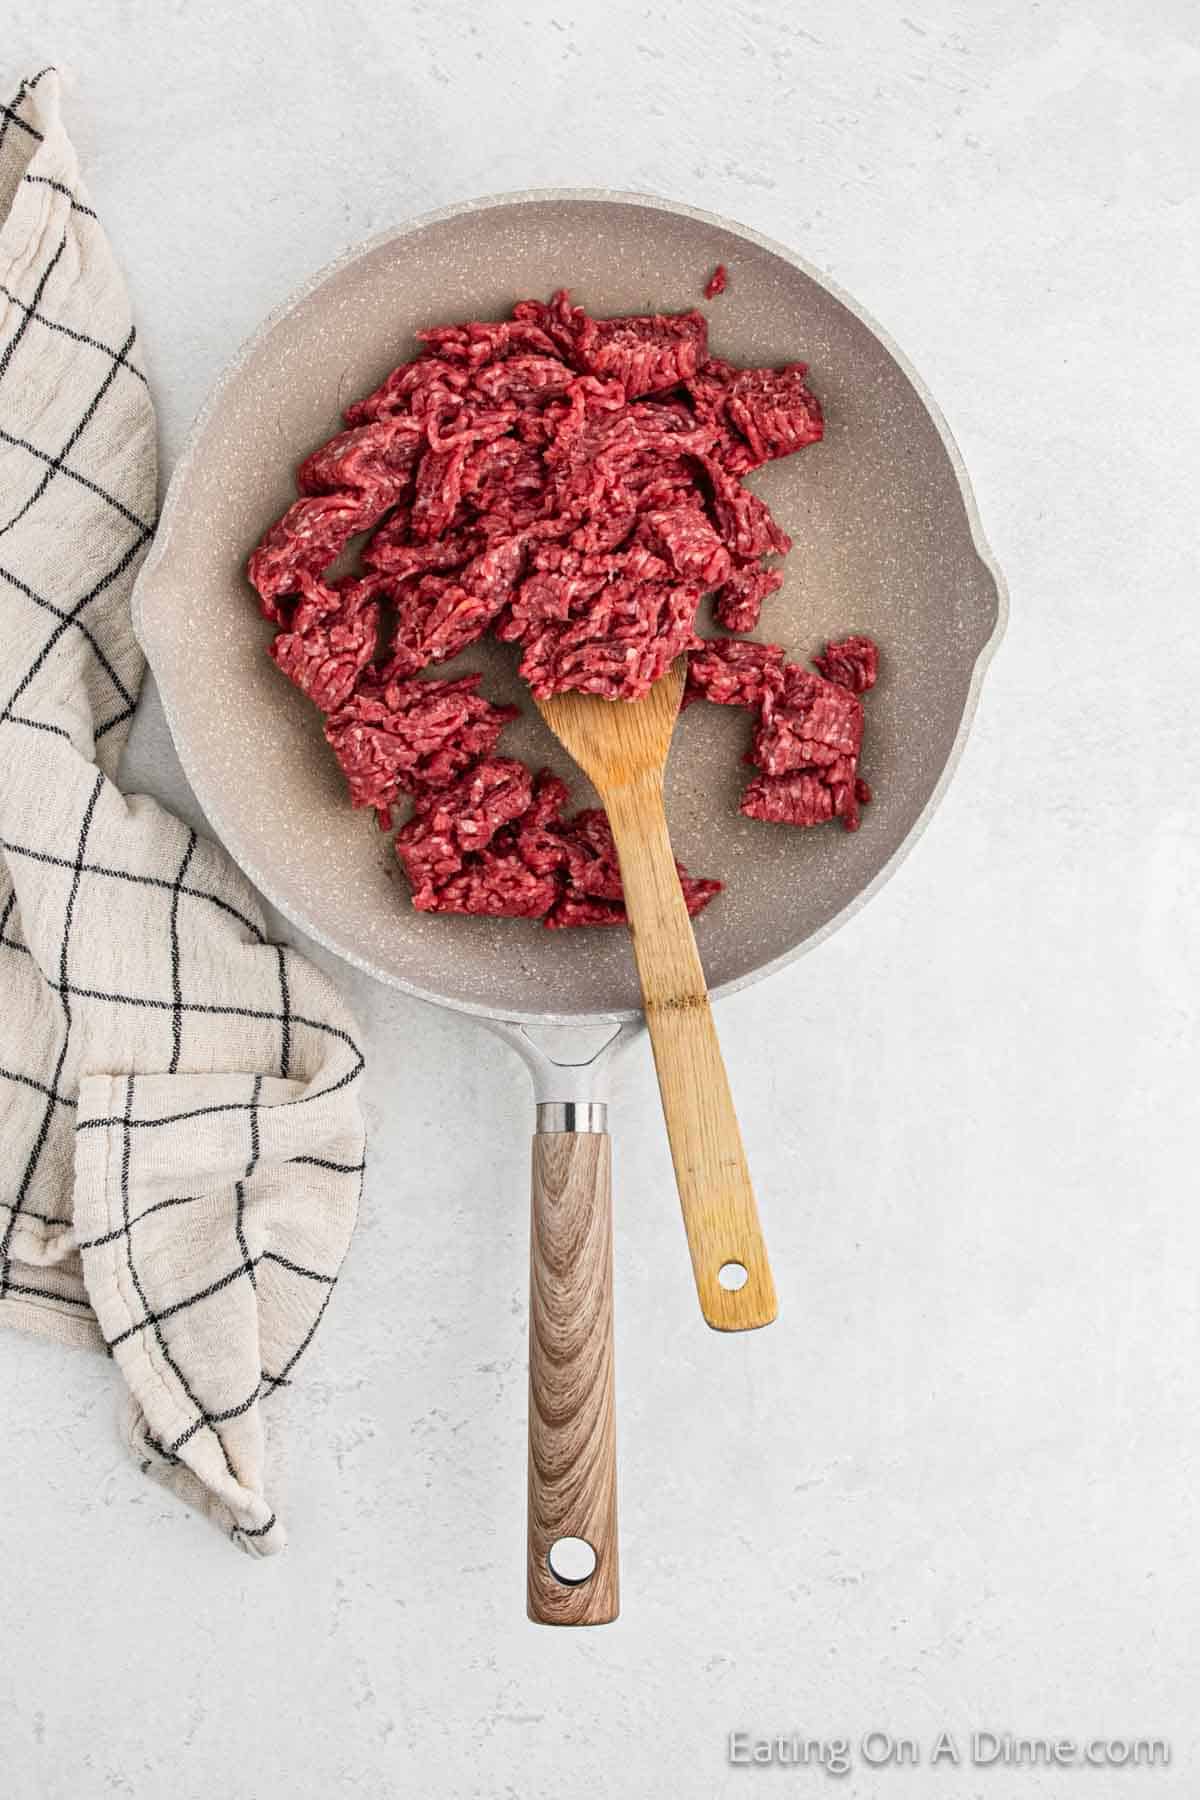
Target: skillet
887 542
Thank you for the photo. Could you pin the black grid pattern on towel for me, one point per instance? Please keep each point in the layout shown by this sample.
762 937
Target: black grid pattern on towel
243 1267
79 978
30 1130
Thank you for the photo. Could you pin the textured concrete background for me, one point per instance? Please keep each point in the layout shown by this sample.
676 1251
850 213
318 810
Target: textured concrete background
954 1485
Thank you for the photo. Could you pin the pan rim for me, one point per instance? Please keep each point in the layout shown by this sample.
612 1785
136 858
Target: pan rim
232 371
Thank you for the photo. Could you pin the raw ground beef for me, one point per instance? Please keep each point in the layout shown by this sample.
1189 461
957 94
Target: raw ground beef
574 485
398 736
809 728
732 671
853 663
716 282
582 850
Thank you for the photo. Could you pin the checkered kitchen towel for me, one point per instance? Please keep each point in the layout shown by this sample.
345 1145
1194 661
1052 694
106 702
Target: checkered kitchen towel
181 1145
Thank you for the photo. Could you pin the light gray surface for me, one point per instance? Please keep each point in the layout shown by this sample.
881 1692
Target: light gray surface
954 1483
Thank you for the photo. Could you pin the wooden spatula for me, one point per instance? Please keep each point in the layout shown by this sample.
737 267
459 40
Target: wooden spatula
622 746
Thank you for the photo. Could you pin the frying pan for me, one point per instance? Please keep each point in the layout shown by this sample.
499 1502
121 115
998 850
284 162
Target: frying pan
887 542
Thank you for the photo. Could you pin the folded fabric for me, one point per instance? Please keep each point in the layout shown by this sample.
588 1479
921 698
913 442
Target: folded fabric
181 1141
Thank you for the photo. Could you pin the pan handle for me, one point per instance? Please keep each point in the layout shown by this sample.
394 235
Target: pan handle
572 1529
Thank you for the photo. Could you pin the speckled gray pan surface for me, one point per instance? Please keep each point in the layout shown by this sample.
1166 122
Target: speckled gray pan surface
886 542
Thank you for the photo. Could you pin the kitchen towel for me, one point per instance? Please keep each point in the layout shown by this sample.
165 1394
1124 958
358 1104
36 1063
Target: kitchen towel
181 1142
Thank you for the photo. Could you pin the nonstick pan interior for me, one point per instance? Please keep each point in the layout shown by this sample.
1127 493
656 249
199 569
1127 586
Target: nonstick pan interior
886 542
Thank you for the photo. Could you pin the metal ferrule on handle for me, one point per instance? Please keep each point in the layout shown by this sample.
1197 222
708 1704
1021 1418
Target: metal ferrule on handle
571 1115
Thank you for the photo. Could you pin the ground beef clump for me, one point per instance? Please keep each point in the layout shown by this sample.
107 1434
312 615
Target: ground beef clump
732 671
573 485
582 850
853 663
808 730
330 639
396 736
459 848
716 282
497 842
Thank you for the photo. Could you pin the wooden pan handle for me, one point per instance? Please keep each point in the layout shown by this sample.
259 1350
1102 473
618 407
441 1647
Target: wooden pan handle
572 1422
719 1210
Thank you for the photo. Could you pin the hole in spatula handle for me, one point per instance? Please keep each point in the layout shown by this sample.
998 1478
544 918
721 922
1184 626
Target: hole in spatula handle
572 1561
733 1275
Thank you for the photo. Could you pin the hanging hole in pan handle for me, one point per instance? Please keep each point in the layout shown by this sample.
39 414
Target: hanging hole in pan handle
733 1275
571 1560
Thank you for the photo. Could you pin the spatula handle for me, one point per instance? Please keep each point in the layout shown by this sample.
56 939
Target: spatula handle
719 1210
572 1421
